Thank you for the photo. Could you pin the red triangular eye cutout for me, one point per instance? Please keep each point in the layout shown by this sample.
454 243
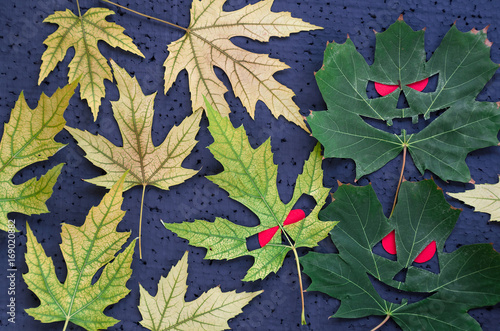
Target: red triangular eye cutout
294 216
420 85
389 243
384 89
427 253
266 235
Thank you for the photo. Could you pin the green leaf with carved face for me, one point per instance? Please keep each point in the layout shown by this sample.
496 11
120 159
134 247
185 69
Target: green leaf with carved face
461 65
467 277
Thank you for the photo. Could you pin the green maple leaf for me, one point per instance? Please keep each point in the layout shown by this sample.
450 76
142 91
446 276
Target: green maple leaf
249 177
86 249
28 138
485 198
463 66
207 44
83 33
146 164
467 279
168 310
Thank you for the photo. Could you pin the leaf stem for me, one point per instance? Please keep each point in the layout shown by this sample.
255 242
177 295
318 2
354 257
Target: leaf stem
303 315
400 180
140 220
147 16
382 323
79 14
66 324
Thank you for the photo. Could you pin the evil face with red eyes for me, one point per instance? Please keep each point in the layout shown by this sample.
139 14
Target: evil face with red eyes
407 98
389 244
384 89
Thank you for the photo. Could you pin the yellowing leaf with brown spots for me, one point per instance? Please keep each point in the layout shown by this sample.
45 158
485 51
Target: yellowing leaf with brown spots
82 33
147 164
207 44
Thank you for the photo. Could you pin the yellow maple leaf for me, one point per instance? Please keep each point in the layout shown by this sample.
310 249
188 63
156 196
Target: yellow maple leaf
159 166
207 44
83 33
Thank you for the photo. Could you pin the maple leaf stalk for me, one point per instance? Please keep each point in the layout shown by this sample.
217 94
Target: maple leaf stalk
79 15
140 220
147 16
303 314
405 147
297 261
296 256
384 321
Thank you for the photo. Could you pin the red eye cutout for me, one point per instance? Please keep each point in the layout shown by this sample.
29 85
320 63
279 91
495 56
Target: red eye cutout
389 244
384 89
294 216
420 85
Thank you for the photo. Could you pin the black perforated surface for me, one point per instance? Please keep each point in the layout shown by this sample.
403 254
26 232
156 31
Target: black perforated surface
278 308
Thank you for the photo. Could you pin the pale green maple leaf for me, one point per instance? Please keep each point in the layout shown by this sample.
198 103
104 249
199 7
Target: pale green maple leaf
28 138
86 249
169 311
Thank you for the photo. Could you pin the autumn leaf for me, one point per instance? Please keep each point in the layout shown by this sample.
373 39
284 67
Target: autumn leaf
86 249
28 138
485 198
422 220
168 310
159 166
462 65
207 44
83 33
249 177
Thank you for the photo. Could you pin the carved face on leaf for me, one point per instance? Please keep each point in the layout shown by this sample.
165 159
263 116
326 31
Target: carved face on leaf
461 66
467 277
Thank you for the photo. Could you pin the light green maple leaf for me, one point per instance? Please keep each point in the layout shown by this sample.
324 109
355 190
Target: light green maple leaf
86 249
485 198
83 33
28 138
168 310
207 44
249 177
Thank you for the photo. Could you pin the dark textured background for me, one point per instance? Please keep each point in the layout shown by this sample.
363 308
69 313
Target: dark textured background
278 308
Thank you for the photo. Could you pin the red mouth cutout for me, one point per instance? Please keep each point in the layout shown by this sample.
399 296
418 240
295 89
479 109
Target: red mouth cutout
389 244
294 216
384 89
